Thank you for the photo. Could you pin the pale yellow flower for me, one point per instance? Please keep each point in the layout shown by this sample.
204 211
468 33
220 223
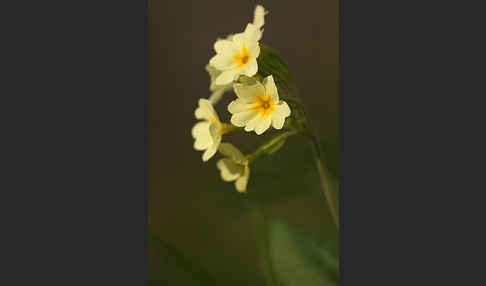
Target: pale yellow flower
208 132
258 106
234 167
237 55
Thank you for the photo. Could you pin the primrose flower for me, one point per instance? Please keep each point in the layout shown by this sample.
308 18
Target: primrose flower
234 167
258 106
237 55
217 90
208 132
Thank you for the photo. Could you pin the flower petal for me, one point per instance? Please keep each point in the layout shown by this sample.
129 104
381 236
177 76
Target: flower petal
238 39
281 112
224 46
237 106
248 93
243 118
242 182
250 35
211 150
206 111
214 131
263 125
200 128
201 133
232 152
277 120
282 108
223 61
251 68
259 16
271 88
230 171
213 74
226 77
251 43
250 126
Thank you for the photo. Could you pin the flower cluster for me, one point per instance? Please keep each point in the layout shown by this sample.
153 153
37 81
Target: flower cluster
257 106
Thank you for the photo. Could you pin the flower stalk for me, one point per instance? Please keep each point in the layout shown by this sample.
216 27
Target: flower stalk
319 161
272 145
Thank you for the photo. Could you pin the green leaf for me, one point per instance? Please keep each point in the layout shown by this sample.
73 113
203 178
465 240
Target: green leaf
270 63
301 258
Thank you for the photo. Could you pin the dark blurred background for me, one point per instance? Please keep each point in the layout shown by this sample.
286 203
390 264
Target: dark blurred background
194 217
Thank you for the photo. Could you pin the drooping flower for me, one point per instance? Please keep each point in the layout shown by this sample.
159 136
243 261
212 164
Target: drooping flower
258 106
234 167
237 55
208 132
217 90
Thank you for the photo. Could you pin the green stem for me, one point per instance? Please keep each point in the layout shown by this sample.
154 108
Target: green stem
319 160
325 183
272 145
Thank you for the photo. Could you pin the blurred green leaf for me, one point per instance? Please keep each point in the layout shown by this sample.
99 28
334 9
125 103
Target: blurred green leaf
301 258
270 63
192 273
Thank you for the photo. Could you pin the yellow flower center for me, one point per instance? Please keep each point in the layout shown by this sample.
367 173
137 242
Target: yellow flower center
264 105
224 128
242 58
214 120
